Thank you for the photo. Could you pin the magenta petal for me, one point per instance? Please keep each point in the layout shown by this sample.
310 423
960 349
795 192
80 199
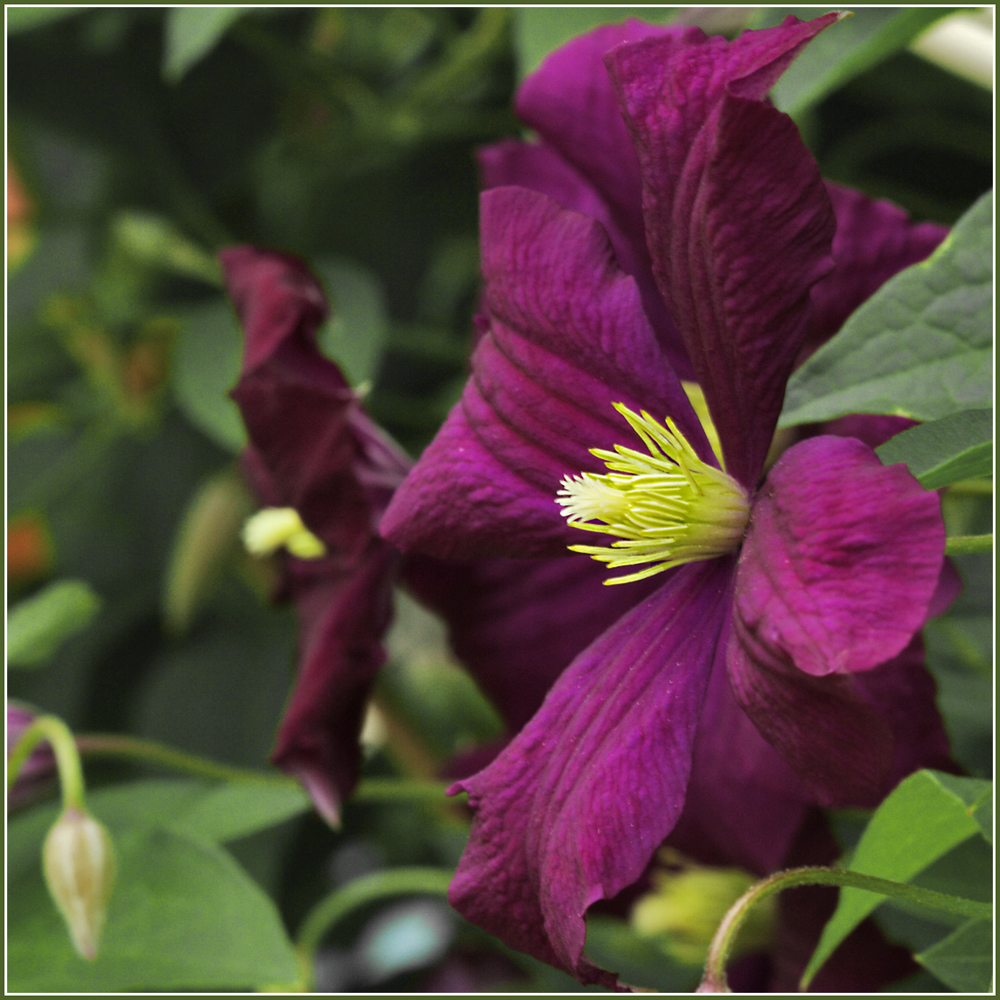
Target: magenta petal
573 809
874 241
738 222
841 560
565 338
342 617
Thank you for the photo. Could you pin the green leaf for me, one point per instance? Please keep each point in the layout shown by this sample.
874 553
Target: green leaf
206 367
844 50
38 626
355 335
920 821
540 30
945 451
158 242
25 18
983 815
920 347
191 33
217 811
964 959
183 915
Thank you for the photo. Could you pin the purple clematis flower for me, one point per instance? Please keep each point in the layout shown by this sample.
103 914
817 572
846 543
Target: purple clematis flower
793 590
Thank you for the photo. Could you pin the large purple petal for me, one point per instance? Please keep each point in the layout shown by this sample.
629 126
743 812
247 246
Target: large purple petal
566 338
573 809
516 624
744 804
342 617
838 571
874 240
737 220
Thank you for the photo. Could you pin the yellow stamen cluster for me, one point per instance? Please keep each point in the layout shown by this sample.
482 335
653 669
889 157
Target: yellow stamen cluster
667 507
273 527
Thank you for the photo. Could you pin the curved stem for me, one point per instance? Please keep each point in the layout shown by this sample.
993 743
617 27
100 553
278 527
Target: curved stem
339 903
135 748
714 980
149 751
53 729
960 545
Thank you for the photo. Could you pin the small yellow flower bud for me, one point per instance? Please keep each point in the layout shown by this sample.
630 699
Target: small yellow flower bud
79 865
686 906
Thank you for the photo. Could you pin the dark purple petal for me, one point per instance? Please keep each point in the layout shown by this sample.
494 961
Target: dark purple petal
872 429
840 747
566 339
904 693
572 811
874 241
324 456
342 617
515 624
744 804
841 560
737 220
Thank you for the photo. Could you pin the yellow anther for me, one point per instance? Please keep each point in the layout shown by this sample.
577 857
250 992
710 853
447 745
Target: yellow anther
666 507
273 527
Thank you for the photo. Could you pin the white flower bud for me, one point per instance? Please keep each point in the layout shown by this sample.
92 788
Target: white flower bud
79 865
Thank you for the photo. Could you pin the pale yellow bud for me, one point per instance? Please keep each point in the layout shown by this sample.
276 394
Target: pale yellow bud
685 908
79 865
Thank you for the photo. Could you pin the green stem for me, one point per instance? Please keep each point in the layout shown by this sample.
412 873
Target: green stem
714 980
151 752
339 903
53 729
135 748
960 545
971 487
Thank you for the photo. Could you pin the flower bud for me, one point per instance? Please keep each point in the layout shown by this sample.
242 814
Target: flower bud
79 865
686 906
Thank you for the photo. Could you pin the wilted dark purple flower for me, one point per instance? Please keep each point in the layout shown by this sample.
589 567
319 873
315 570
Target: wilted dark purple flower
701 251
316 457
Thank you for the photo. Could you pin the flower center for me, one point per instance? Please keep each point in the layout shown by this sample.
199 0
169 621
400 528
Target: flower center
667 507
267 530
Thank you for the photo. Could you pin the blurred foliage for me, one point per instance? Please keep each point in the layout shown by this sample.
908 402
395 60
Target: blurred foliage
143 139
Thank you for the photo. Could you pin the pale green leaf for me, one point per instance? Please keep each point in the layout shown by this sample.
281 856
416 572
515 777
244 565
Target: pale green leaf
920 347
945 451
206 368
39 625
921 820
191 33
183 916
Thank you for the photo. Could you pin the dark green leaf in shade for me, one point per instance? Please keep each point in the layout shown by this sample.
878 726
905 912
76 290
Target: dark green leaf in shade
845 50
983 815
613 943
183 915
355 334
921 820
945 451
39 625
206 367
964 959
920 347
191 33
